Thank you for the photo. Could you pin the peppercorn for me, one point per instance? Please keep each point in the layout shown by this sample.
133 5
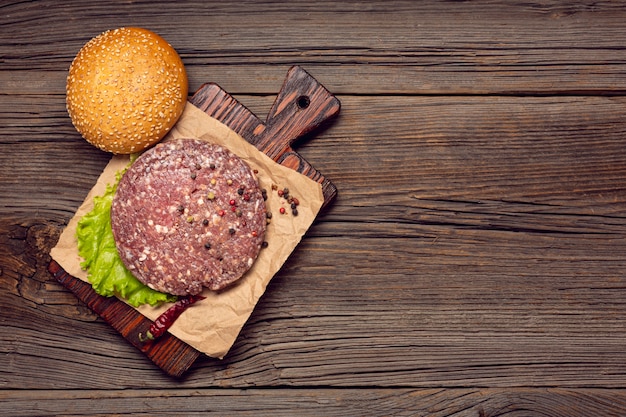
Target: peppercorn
232 202
294 211
180 209
213 181
210 195
268 214
198 166
264 194
280 193
231 231
207 245
240 190
246 197
238 213
264 244
193 175
212 165
205 222
282 210
293 206
229 182
221 212
190 219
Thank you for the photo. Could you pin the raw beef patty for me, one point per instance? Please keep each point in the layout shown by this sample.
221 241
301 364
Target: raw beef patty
188 214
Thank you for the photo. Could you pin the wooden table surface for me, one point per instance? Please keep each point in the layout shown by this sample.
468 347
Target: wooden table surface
473 263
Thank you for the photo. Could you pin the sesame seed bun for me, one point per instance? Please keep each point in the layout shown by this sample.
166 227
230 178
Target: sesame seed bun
126 88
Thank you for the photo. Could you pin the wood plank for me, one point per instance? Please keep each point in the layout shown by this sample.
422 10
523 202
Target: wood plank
434 402
347 78
483 47
559 154
374 30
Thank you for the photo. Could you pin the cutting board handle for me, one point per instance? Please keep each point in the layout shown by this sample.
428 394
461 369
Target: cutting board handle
301 105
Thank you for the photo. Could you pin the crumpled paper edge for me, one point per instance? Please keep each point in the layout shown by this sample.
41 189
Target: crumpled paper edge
212 325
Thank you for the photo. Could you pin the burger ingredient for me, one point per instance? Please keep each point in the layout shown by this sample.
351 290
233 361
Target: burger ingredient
168 317
158 214
106 272
126 88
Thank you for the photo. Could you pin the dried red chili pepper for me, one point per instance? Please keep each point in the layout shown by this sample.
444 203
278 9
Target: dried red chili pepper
168 317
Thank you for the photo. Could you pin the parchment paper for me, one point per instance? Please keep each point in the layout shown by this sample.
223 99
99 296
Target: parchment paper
212 325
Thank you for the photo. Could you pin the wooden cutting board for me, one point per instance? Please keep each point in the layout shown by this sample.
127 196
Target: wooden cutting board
302 105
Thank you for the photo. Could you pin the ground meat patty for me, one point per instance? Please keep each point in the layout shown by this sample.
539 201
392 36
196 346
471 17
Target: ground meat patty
188 214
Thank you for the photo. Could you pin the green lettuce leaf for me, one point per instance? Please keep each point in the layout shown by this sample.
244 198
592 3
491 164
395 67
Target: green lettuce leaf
105 270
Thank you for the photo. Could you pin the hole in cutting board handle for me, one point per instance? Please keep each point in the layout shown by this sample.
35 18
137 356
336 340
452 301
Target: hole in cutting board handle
303 102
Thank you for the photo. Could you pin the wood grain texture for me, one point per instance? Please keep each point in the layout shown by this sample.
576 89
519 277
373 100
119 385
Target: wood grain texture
328 402
402 47
471 265
448 281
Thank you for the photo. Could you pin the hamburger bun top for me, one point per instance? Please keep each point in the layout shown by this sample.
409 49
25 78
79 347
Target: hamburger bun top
126 88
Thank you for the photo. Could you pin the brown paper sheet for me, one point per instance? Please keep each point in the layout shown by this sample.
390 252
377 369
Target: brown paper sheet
212 325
